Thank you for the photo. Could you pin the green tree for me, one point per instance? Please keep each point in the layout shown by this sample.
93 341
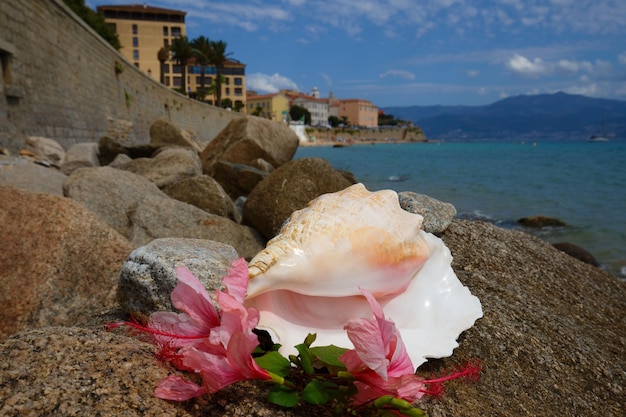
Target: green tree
181 53
227 103
238 106
162 56
219 58
95 21
333 121
300 113
257 111
203 51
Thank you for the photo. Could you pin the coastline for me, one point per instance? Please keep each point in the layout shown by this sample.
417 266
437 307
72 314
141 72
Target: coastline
343 137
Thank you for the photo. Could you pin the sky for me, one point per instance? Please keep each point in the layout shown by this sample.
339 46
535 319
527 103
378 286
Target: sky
418 52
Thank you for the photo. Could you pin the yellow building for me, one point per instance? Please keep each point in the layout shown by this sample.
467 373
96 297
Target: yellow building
269 106
359 112
233 84
143 30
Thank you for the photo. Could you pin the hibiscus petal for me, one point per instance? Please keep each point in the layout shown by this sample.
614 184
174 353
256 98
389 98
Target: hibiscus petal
191 297
365 336
236 281
176 388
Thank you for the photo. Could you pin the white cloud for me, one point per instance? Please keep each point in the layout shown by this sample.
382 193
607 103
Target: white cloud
523 66
472 73
327 78
398 73
567 66
585 90
622 58
269 83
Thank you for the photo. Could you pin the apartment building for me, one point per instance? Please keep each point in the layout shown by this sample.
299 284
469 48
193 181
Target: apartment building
233 82
318 107
358 112
270 106
143 30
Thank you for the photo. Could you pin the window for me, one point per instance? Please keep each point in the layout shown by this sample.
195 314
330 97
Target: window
166 43
176 31
135 42
239 91
177 81
227 92
167 80
238 81
135 29
5 58
166 31
177 69
136 55
165 68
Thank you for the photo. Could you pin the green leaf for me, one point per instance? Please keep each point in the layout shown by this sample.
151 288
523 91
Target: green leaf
306 358
315 393
275 363
329 355
283 396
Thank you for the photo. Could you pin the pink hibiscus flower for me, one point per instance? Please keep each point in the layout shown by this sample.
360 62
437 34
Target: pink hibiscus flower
379 361
381 365
218 346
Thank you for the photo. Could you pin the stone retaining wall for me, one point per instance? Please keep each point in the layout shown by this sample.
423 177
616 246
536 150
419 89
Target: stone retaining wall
59 80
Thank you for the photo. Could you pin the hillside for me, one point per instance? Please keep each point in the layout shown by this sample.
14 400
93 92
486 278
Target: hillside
544 116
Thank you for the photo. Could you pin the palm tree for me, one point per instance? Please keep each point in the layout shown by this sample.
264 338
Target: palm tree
181 52
203 51
218 59
162 56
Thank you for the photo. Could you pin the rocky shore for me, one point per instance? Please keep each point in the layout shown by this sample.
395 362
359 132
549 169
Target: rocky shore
353 136
92 234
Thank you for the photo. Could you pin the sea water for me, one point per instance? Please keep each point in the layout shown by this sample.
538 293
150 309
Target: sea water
581 183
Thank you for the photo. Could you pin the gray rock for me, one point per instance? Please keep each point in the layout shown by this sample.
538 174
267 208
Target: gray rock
262 164
118 138
21 173
168 166
46 149
149 274
81 155
157 217
291 187
205 193
577 252
538 222
164 133
247 139
120 161
137 209
237 179
110 193
437 214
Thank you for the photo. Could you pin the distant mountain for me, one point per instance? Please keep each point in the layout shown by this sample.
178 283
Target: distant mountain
543 116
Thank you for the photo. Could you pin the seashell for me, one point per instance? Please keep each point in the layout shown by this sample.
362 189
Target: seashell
351 232
309 277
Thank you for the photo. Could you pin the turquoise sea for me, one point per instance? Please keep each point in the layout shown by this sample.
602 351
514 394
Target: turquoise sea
581 183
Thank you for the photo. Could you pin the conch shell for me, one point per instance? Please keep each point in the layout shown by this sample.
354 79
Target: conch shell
309 278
